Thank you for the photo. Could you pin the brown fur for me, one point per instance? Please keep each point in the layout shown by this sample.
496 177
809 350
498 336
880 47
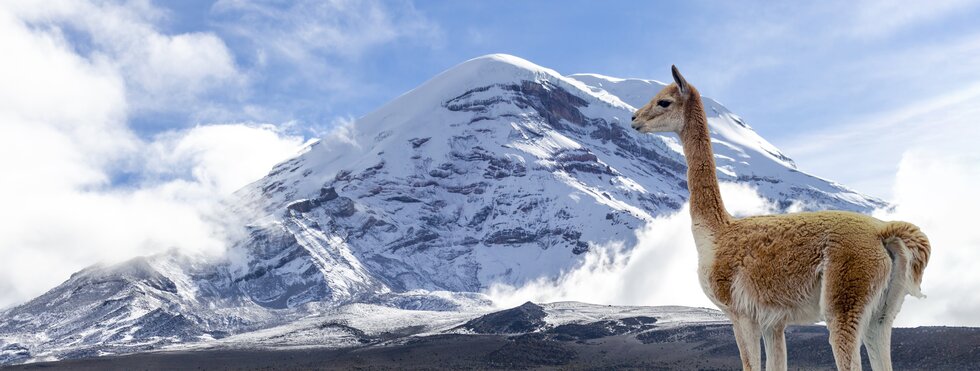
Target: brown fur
765 272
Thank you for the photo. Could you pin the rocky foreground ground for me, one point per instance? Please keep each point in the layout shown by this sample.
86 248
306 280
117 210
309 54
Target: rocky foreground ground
580 347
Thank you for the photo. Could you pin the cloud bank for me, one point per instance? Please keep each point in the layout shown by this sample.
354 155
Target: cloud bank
157 71
660 270
933 191
936 190
80 185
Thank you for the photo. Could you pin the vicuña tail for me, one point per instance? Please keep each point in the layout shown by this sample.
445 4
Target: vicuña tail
910 249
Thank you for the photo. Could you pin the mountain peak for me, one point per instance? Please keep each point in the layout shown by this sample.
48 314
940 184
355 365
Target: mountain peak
499 66
480 71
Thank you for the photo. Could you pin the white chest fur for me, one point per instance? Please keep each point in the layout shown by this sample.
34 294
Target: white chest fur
704 240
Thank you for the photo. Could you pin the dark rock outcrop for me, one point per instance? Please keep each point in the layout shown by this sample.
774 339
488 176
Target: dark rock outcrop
527 317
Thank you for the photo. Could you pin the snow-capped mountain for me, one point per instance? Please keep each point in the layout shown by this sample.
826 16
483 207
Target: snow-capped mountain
499 170
495 171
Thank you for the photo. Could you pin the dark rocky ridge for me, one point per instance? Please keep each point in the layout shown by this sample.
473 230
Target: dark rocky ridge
528 317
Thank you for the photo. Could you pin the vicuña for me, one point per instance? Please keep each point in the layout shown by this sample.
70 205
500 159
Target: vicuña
765 272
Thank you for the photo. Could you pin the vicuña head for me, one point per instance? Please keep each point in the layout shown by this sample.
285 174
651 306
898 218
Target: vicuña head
766 272
665 112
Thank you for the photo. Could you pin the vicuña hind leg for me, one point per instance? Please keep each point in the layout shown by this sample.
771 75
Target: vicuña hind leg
747 334
853 289
844 340
877 340
878 335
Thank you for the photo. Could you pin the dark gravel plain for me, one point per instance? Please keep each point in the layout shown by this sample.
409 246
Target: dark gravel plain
703 347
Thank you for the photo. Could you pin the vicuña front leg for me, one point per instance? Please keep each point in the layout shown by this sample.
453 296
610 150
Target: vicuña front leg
775 340
747 334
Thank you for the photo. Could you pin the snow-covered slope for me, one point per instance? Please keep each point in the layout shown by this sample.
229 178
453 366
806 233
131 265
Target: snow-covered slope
495 171
360 324
502 171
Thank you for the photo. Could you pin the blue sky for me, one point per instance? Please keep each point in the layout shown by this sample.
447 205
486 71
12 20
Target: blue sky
790 70
794 59
123 121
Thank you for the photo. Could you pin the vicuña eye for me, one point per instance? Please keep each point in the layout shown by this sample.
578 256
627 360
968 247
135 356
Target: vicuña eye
663 103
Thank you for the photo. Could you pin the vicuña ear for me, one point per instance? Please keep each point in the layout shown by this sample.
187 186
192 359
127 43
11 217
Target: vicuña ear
681 83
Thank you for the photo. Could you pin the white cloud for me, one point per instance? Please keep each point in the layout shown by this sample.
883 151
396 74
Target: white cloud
936 189
743 200
223 157
53 228
68 102
160 71
660 270
64 135
344 131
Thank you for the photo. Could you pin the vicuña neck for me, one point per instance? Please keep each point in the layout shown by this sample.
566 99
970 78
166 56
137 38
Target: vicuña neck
707 208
